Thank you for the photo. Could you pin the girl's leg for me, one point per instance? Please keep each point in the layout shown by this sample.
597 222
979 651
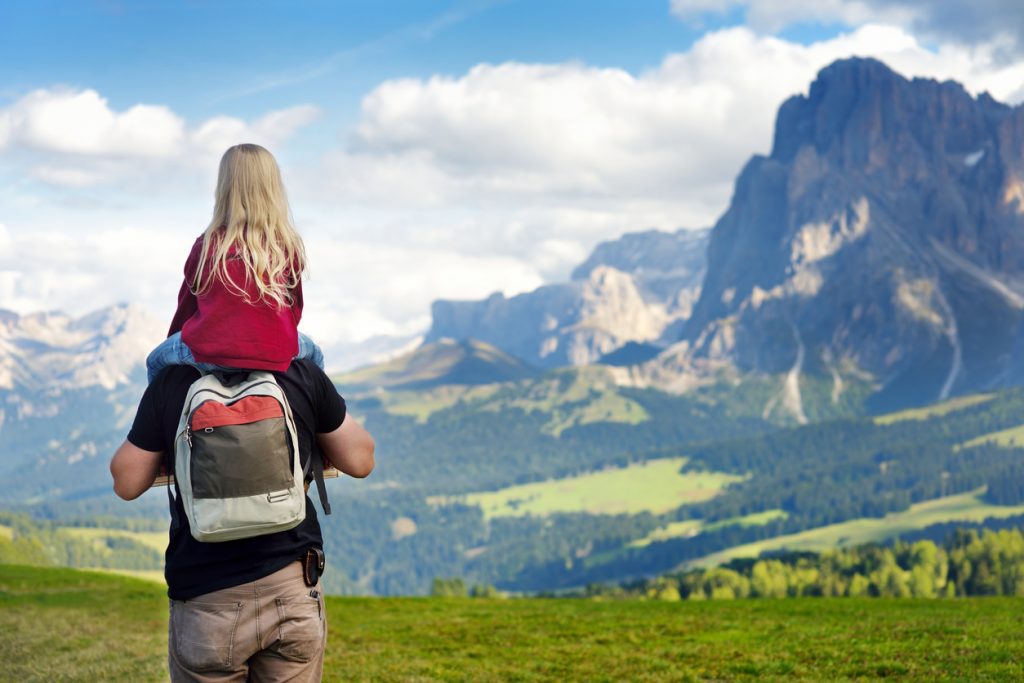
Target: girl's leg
171 351
309 350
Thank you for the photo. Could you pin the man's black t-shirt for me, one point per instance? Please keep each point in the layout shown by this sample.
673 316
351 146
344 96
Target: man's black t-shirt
194 568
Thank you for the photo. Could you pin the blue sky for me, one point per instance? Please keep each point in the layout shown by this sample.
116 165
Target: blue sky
431 149
224 57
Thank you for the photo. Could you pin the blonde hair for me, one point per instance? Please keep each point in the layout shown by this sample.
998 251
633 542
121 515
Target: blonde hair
251 214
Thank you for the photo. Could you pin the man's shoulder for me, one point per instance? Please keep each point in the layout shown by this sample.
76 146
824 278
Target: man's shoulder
304 375
304 370
174 378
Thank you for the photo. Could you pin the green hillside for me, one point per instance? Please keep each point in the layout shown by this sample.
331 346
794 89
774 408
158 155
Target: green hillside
568 478
24 540
69 625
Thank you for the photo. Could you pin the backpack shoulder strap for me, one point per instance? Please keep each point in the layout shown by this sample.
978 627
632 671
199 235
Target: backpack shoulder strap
316 463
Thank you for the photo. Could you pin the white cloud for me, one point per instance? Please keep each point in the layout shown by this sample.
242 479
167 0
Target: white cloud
81 122
569 136
51 269
979 23
74 138
360 289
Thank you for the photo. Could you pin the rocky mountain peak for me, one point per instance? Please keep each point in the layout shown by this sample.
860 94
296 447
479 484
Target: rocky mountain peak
859 109
884 235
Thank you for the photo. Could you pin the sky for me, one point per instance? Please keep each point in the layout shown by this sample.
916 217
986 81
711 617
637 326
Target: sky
430 150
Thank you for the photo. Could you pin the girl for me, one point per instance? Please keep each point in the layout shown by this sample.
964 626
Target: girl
241 301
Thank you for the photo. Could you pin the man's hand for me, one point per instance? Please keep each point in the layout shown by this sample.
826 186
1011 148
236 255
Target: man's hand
134 470
349 448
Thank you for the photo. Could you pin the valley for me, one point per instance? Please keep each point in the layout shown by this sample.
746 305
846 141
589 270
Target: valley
836 360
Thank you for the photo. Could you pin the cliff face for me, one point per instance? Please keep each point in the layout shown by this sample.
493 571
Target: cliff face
883 235
629 290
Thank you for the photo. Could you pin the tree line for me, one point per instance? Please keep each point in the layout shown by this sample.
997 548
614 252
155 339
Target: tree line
967 563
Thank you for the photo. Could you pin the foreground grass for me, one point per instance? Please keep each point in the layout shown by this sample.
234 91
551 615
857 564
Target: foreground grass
58 624
69 625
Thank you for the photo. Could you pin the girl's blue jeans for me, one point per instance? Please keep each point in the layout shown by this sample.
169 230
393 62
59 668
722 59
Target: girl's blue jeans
173 351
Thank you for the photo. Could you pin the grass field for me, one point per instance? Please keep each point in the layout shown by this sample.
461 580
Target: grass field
654 486
59 624
1012 437
937 410
6 532
968 507
692 527
153 539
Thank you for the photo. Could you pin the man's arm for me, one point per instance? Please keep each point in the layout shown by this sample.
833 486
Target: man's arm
134 470
349 448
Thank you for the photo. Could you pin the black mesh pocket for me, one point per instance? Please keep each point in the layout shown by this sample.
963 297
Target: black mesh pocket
241 460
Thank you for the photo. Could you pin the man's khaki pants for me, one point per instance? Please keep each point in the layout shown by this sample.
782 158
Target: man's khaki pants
273 629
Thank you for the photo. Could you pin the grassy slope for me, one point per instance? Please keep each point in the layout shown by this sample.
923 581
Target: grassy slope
964 507
58 624
692 527
937 410
1010 438
655 486
153 539
570 396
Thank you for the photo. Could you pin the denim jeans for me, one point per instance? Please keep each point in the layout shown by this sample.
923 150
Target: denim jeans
173 351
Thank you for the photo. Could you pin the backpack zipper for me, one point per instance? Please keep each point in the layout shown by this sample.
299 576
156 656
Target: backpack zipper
188 424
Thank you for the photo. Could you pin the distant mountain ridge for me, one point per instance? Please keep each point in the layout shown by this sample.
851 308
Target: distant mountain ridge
68 389
631 289
57 351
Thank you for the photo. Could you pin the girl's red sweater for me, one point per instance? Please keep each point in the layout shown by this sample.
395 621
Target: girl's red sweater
220 327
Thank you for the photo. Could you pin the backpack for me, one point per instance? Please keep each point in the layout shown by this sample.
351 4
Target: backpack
237 460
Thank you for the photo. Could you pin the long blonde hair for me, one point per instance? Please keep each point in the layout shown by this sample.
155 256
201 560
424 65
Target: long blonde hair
251 214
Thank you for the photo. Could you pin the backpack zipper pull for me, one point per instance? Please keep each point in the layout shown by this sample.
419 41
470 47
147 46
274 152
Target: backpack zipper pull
188 435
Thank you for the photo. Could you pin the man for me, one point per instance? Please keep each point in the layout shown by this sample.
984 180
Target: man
242 610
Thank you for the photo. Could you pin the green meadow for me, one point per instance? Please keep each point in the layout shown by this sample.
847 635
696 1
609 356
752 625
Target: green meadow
692 527
936 410
966 507
653 486
68 625
99 535
1007 438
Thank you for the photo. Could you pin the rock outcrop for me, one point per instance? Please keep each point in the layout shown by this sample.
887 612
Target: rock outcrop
629 290
884 235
